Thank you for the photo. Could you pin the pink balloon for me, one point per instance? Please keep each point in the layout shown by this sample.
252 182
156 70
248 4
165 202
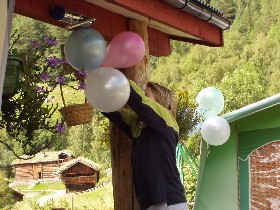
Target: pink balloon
125 50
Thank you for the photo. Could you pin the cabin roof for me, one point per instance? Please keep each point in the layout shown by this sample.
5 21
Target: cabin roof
192 21
82 160
253 108
41 157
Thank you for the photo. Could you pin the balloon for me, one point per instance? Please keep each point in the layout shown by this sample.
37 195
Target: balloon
107 89
215 130
210 101
85 48
125 50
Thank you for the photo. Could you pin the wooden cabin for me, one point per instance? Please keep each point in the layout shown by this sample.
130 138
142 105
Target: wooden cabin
79 174
243 173
43 166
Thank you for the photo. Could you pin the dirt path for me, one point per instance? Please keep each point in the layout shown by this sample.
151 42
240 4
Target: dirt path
57 194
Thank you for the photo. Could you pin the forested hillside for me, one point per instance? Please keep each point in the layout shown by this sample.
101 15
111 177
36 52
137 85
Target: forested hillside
246 69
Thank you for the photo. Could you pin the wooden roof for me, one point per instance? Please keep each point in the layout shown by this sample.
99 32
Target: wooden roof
164 21
41 157
82 160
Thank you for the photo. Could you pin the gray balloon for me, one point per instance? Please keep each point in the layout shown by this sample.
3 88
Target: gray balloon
85 49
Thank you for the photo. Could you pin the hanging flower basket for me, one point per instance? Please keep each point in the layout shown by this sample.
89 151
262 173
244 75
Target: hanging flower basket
12 75
76 114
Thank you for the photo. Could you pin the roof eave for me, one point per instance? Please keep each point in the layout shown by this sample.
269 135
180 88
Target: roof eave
252 108
203 11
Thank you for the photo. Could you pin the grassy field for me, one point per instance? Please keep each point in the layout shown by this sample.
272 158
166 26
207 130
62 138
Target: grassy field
49 186
98 199
95 200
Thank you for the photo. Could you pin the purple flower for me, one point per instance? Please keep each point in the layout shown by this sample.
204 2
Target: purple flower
82 73
60 127
10 126
40 89
53 61
35 43
50 60
82 85
61 79
45 76
50 41
55 43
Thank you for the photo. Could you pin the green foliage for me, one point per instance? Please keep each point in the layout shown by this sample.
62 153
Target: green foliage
189 184
100 145
24 115
79 138
96 200
186 117
6 193
91 140
6 157
243 87
228 7
49 205
29 115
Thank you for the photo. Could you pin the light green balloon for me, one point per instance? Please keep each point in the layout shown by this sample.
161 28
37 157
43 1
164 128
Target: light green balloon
210 101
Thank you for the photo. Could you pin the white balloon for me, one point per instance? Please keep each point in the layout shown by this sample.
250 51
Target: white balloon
107 89
210 101
215 130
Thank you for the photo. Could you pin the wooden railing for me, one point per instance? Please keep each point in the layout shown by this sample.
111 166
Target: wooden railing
79 179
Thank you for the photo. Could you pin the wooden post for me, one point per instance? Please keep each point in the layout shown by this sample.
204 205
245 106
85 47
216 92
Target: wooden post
123 189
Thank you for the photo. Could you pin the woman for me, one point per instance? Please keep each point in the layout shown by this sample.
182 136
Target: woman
153 129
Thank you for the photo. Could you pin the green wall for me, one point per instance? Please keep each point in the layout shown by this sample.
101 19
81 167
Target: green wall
217 187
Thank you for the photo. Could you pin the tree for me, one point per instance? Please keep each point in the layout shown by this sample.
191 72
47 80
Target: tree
79 139
6 193
228 7
243 87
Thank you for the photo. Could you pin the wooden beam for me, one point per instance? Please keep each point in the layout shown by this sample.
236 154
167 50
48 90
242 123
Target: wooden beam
166 14
108 23
159 43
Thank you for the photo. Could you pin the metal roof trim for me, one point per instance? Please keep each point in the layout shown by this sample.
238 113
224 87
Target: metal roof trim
252 108
202 10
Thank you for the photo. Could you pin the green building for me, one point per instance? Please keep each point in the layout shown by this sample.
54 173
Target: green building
243 173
